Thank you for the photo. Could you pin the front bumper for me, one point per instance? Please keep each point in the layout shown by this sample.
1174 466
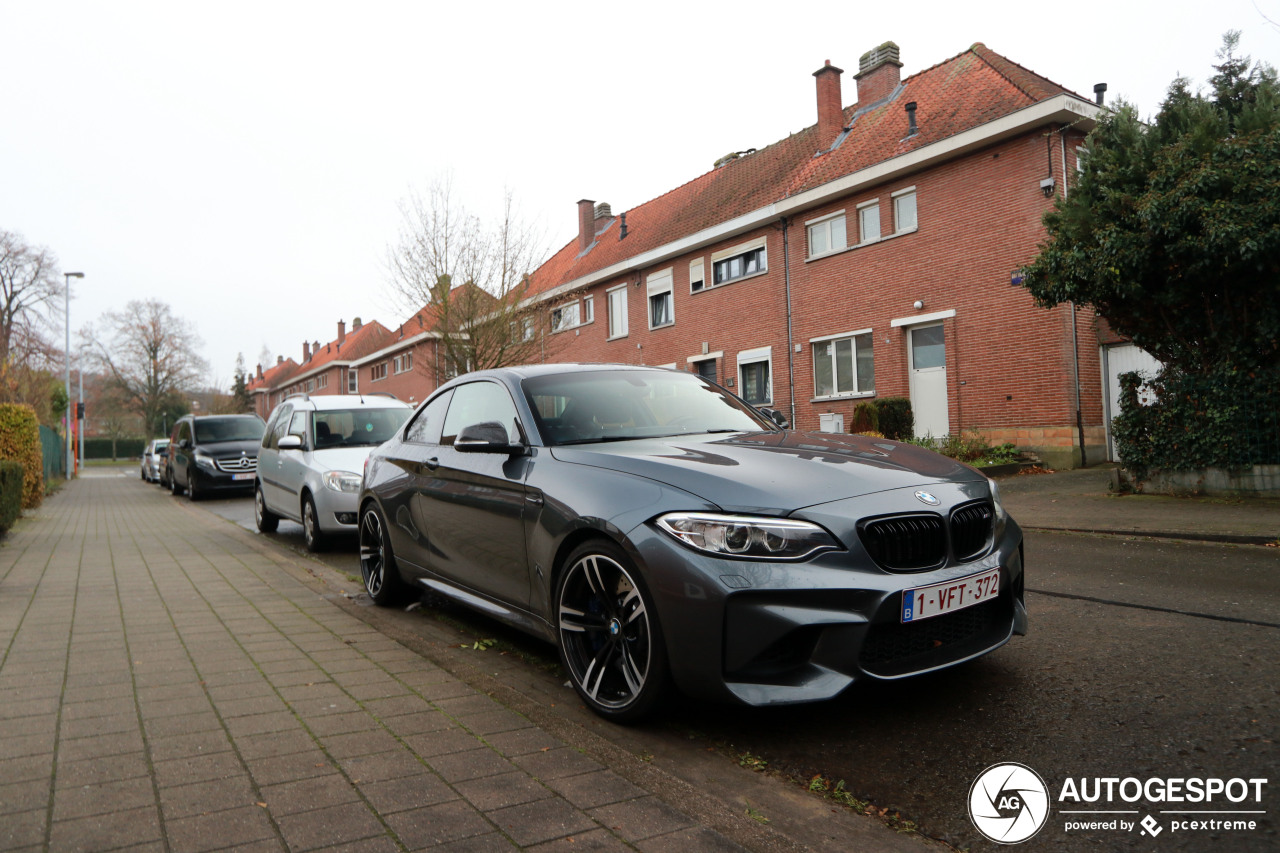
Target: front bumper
766 633
335 511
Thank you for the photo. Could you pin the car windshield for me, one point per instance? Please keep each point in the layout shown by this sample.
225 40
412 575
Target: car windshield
356 427
213 430
615 405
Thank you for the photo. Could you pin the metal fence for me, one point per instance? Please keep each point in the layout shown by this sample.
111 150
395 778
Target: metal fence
54 451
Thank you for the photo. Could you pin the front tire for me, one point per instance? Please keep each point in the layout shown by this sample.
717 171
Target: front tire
311 532
382 579
174 488
607 629
266 520
193 490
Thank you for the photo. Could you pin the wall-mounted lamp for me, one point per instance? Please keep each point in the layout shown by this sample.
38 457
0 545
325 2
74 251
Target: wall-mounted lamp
917 305
1046 187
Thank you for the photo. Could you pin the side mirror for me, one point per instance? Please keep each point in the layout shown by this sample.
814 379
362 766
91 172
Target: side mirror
487 437
185 444
776 416
290 442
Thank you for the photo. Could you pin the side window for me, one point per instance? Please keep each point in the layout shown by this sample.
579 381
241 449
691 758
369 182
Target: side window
271 435
298 425
427 425
480 402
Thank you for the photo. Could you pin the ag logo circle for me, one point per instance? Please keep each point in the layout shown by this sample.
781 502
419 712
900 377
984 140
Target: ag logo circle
1008 803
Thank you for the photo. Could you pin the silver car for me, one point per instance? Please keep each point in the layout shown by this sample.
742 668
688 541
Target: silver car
152 460
312 458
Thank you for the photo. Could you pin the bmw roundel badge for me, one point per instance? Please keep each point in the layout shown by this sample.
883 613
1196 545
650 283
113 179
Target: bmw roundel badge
926 498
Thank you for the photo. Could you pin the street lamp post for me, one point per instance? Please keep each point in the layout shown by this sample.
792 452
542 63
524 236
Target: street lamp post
67 421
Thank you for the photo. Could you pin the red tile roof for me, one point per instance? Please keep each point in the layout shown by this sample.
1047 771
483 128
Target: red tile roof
369 338
964 92
274 376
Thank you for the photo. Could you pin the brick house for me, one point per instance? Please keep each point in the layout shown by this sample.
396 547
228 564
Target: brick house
331 368
874 253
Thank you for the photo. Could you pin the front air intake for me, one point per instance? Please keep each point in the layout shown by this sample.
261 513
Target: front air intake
906 543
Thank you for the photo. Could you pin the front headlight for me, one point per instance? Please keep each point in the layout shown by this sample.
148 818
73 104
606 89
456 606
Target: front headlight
747 537
1001 515
204 460
342 481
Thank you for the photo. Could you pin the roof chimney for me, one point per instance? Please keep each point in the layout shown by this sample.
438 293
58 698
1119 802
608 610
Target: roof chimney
604 211
830 109
879 73
355 324
911 119
259 371
1099 93
342 331
306 351
279 359
622 227
586 224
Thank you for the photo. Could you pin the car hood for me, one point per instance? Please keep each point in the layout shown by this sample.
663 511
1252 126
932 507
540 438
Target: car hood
773 472
349 459
223 449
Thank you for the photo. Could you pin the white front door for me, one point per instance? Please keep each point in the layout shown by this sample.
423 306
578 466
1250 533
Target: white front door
1122 358
928 380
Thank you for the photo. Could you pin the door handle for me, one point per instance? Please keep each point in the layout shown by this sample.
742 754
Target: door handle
432 464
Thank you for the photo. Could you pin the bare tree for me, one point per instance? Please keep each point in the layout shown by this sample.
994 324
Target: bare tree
28 284
150 355
469 280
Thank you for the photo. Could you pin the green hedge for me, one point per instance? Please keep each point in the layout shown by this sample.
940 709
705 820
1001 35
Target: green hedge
126 448
11 479
895 418
1183 422
20 442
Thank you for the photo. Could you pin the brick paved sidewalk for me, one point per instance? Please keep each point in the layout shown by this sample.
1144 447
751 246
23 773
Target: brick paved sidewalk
166 685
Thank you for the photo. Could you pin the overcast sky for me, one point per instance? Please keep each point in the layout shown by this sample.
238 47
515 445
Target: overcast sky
244 161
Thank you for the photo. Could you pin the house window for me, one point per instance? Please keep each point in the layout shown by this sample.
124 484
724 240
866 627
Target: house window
310 386
588 309
378 371
696 277
826 235
617 312
353 381
661 303
904 210
755 382
322 381
706 368
526 325
739 262
402 362
869 222
565 317
843 365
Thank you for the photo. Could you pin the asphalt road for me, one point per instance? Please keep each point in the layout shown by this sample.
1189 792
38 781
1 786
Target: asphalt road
1146 658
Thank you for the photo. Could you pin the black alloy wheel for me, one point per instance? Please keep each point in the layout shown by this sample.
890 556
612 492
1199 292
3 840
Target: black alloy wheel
266 520
377 563
193 490
311 532
609 637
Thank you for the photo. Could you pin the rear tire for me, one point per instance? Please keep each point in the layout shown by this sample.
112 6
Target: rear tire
378 569
173 485
608 633
266 520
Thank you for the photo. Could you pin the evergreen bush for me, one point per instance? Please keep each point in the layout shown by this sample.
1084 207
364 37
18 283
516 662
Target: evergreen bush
20 442
11 480
893 414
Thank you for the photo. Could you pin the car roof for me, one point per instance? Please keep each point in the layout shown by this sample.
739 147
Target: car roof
326 402
526 371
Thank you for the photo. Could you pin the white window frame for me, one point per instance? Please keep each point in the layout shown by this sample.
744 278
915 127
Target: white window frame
862 221
757 356
402 362
353 381
697 276
656 284
378 372
760 244
618 323
824 223
898 199
588 310
832 339
322 381
582 311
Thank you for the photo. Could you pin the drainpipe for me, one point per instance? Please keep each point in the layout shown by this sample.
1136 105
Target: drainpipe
1075 335
791 350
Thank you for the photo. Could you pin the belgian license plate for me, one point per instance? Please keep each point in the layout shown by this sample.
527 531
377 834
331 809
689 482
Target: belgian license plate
928 601
242 476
